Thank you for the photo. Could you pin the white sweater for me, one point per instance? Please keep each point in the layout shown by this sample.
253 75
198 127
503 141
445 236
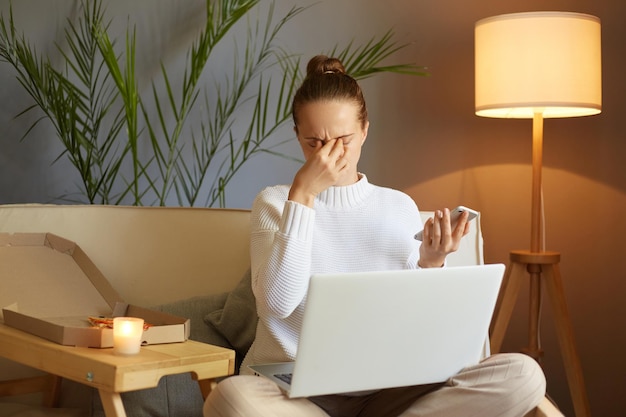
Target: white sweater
360 227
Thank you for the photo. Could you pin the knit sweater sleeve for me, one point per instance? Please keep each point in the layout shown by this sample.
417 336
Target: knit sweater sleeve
280 252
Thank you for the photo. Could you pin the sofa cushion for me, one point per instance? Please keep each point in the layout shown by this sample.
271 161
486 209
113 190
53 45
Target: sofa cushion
195 309
237 320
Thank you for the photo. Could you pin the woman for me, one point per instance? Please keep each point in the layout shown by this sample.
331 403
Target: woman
332 219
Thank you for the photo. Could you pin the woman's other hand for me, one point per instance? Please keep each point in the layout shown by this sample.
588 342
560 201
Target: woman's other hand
439 239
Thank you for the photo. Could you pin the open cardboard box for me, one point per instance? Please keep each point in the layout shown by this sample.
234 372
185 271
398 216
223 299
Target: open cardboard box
50 288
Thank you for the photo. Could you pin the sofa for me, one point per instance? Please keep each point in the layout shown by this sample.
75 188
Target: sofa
191 262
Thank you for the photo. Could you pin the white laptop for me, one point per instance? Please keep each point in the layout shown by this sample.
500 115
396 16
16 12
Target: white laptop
374 330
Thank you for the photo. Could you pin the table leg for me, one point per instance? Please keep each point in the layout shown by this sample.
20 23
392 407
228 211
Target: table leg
206 386
112 403
53 392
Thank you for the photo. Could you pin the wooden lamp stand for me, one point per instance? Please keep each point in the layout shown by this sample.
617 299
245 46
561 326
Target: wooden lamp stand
543 267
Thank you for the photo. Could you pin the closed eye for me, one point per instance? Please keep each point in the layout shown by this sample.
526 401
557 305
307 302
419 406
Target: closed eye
346 140
314 142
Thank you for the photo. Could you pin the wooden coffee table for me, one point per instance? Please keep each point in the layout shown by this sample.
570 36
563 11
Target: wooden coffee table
111 374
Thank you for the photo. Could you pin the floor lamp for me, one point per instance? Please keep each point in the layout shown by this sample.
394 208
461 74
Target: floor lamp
538 65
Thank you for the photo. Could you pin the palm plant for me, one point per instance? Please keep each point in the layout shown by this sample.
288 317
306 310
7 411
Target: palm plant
94 103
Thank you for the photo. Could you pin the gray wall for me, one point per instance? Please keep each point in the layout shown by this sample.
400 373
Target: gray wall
425 139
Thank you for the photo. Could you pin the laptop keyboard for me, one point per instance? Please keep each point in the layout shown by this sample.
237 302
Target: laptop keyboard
284 377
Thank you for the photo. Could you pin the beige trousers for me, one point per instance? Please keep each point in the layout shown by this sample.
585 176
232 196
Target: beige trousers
502 385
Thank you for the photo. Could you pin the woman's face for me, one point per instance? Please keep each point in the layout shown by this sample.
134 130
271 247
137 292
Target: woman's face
322 121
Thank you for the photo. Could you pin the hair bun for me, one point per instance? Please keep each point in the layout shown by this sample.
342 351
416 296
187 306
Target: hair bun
326 80
321 64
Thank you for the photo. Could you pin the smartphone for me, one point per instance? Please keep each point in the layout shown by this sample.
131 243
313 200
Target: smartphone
454 217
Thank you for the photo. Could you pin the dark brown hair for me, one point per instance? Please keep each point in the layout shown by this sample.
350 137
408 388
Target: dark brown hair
326 79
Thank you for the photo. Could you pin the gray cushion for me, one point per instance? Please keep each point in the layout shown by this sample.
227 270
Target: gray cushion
237 320
196 309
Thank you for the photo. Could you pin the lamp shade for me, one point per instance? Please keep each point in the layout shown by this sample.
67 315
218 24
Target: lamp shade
538 62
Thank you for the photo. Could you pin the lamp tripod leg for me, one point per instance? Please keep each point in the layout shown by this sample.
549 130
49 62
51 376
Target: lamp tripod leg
534 313
573 369
511 285
544 270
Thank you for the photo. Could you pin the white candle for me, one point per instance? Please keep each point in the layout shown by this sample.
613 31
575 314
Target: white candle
127 332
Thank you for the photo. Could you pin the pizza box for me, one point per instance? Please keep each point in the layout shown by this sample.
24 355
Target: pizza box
51 288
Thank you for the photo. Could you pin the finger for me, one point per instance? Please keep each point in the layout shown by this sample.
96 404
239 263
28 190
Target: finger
340 161
461 225
444 220
446 226
427 230
337 148
436 229
343 163
326 148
